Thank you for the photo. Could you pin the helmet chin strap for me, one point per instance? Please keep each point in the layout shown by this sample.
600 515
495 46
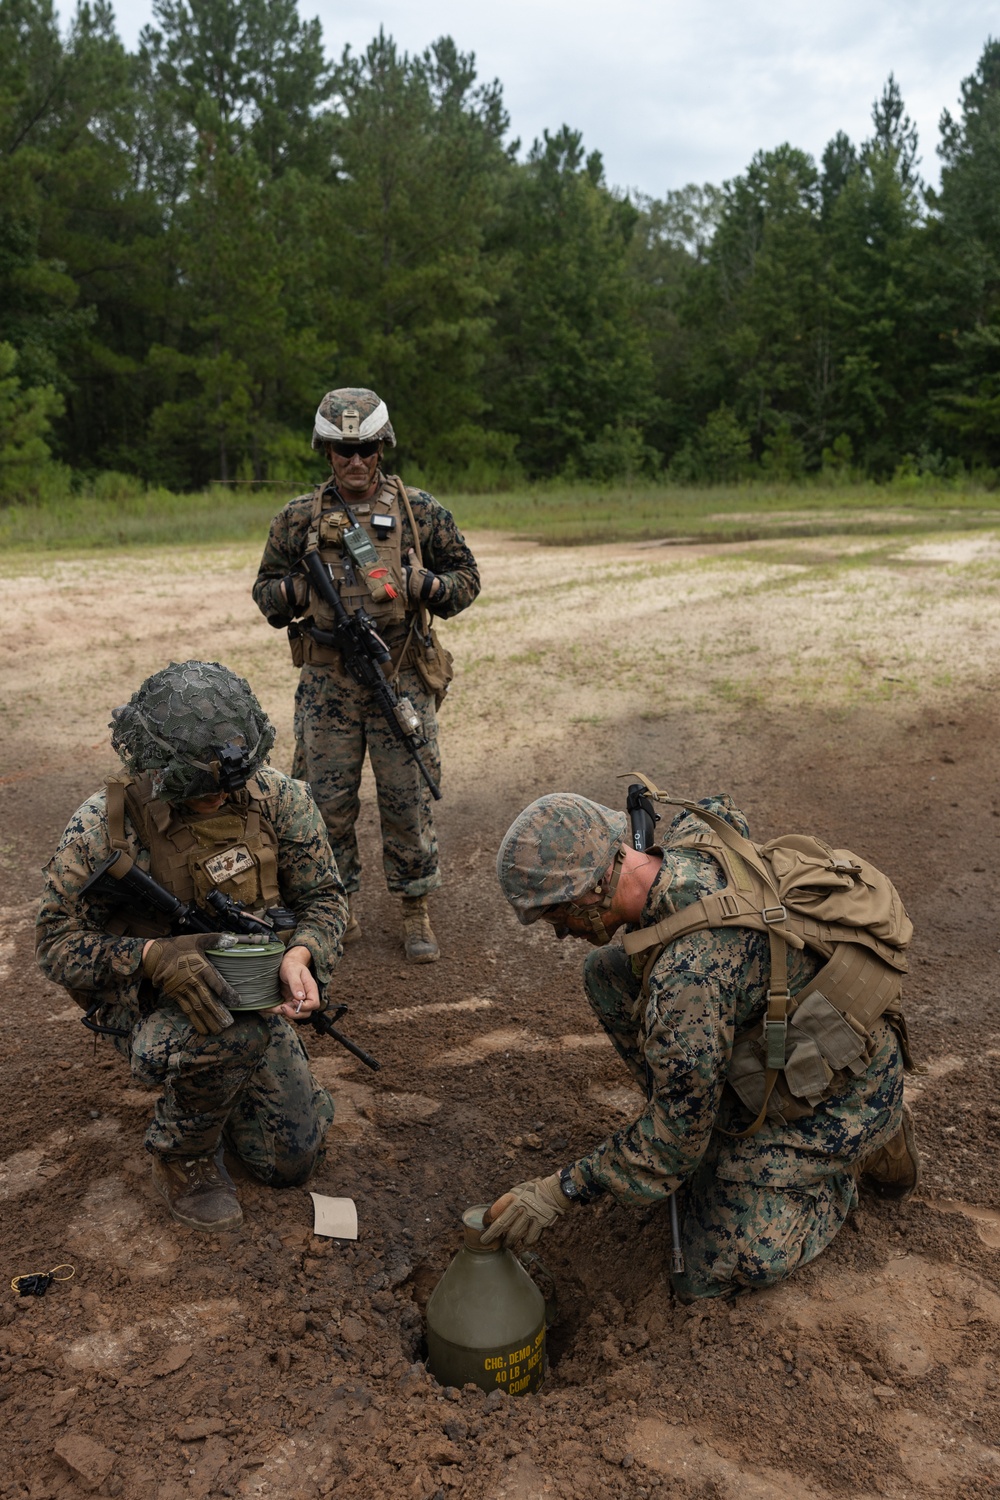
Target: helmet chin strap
591 914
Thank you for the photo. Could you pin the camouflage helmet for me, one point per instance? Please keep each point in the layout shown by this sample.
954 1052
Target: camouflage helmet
196 727
351 415
558 850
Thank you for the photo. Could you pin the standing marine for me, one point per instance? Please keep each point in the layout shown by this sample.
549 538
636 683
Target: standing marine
769 1046
403 560
198 809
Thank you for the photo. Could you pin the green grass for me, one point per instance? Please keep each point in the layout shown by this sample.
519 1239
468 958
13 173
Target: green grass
550 514
724 513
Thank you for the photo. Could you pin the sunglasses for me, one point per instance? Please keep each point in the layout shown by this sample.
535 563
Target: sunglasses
363 450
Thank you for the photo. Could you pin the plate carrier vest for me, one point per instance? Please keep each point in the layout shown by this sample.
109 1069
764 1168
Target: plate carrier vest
807 1046
325 536
234 850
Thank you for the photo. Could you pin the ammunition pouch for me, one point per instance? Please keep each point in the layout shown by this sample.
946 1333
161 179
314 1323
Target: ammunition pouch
432 662
308 651
296 644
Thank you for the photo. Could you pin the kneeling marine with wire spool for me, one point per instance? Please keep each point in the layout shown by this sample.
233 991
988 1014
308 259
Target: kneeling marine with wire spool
756 1001
212 839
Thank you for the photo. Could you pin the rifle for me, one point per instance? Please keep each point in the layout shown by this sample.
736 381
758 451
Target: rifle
120 882
643 821
364 654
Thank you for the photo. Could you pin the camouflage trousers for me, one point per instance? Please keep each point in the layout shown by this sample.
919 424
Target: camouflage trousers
755 1210
250 1086
335 723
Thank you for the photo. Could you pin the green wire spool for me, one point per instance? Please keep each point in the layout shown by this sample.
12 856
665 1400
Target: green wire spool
252 972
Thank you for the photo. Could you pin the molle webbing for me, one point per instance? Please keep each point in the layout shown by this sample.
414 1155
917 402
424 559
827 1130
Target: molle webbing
325 537
734 907
178 856
779 1065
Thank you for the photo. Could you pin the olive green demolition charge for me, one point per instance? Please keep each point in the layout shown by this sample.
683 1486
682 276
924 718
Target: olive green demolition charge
486 1319
252 972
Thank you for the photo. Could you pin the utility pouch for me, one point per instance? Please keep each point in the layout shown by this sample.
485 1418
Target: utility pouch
831 1033
433 664
296 643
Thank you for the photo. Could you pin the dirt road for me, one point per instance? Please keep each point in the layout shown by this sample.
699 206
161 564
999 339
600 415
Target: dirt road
846 689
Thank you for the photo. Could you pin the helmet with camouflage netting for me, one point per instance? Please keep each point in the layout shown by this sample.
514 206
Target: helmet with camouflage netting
352 415
558 850
196 727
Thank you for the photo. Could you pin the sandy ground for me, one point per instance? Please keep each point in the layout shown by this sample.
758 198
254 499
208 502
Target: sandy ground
849 689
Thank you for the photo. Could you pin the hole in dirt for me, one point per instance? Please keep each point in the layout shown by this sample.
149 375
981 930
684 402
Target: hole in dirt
560 1337
423 1280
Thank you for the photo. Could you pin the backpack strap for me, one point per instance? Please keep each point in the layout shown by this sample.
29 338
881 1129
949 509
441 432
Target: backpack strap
768 915
115 796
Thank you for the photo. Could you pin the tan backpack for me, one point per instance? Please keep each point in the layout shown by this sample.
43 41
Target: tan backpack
802 893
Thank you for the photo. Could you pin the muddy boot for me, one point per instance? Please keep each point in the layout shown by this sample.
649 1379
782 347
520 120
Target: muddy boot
353 929
894 1170
418 940
198 1191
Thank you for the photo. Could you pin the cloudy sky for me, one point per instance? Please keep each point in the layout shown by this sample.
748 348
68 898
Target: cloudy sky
675 92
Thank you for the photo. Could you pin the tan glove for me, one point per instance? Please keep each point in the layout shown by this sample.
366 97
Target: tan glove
520 1215
295 592
178 967
421 583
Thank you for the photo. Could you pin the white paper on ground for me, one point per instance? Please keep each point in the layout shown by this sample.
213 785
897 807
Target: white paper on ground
337 1218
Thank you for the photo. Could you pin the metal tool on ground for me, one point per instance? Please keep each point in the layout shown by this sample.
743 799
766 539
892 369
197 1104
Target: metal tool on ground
486 1318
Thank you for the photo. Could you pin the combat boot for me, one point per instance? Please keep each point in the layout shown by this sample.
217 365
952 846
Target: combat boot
894 1170
198 1191
418 940
353 929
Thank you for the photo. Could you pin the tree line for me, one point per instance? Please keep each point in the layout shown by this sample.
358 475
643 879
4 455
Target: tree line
199 237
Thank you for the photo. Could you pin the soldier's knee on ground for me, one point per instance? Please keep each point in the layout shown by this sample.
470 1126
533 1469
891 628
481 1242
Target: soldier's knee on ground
295 1170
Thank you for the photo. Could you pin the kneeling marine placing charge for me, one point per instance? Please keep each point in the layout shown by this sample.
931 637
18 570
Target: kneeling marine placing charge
756 1001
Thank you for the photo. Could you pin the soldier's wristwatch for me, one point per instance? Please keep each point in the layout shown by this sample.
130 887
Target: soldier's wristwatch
575 1191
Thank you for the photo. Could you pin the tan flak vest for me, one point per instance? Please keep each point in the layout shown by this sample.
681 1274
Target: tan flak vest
421 647
234 851
802 894
386 606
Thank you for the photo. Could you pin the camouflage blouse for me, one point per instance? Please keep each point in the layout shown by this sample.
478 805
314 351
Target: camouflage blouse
704 990
442 546
73 947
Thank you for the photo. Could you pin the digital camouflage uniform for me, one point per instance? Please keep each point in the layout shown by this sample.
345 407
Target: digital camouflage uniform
756 1209
252 1080
336 720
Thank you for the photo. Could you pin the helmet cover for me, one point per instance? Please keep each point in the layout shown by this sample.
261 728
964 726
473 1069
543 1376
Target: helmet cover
196 727
556 851
352 414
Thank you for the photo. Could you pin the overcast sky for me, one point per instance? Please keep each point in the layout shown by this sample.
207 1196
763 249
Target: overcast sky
672 93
